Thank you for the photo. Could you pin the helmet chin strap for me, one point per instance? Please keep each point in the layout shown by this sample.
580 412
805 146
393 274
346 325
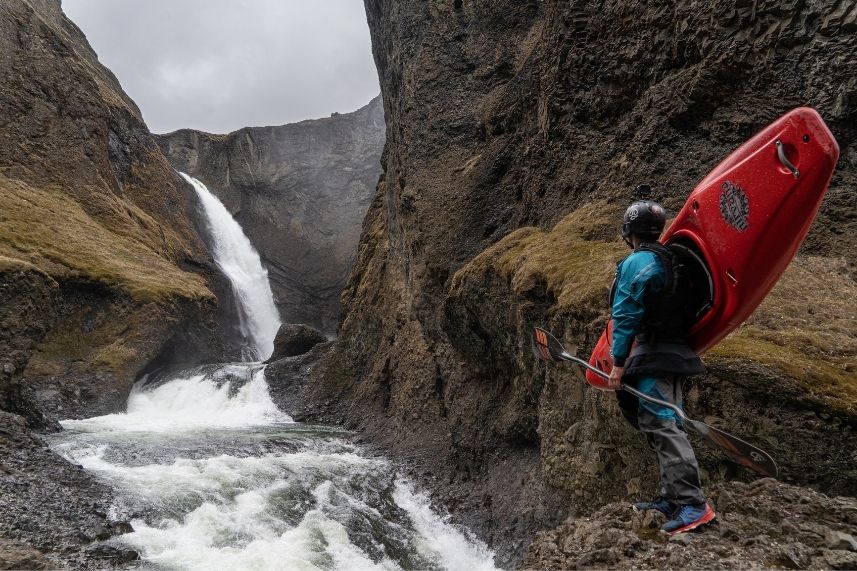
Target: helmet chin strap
626 236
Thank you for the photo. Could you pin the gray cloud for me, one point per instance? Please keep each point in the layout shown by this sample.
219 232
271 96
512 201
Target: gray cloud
219 65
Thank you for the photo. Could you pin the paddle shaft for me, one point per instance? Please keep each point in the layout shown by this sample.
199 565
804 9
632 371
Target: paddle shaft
625 387
546 346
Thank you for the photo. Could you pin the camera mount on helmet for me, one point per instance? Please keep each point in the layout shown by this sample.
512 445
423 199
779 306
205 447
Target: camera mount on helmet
643 191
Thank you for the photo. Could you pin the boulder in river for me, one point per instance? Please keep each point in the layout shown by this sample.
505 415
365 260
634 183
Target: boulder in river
295 339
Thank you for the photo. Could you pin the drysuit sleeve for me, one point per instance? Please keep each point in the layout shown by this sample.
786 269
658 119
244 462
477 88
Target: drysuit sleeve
632 279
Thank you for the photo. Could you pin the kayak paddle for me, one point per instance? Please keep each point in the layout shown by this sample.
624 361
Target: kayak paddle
546 346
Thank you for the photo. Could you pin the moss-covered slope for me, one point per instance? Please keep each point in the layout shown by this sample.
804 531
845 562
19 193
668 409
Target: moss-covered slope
87 198
805 332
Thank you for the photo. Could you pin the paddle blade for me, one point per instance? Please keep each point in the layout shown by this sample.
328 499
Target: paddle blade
545 346
742 452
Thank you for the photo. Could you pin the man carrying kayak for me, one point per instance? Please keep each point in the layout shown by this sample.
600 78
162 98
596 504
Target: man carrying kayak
647 306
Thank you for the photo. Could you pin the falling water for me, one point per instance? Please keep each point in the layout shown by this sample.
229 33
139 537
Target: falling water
213 476
239 261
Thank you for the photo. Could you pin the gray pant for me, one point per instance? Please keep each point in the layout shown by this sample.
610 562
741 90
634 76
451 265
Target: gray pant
680 481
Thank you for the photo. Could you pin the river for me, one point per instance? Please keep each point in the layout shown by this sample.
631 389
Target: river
213 476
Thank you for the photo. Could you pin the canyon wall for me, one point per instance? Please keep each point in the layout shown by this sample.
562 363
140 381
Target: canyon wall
514 137
300 192
102 267
102 275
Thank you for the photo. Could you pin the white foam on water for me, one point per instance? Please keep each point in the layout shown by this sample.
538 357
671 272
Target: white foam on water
191 403
253 495
238 531
317 543
240 262
215 477
233 518
437 539
257 492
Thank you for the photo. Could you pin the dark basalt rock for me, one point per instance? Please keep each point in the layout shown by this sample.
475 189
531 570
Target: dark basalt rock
301 386
48 504
300 193
295 339
112 553
14 555
751 531
520 116
28 299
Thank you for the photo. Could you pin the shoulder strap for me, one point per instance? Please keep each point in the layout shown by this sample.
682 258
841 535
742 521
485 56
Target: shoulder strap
667 259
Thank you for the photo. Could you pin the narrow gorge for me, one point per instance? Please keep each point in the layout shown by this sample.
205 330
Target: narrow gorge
145 281
209 472
514 138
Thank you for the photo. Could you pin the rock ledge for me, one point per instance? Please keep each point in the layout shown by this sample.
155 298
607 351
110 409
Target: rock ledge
760 525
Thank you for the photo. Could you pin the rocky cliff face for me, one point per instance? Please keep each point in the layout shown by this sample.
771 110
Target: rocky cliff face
92 211
300 192
101 271
514 136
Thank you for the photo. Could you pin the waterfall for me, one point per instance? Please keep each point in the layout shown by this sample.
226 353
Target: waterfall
230 395
213 475
239 261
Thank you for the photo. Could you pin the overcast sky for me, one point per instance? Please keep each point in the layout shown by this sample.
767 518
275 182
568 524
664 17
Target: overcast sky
219 65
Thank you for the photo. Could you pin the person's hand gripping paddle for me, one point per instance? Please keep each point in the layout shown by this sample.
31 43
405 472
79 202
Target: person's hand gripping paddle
545 346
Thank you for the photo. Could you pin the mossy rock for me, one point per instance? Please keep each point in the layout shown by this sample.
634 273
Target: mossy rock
574 267
806 330
50 230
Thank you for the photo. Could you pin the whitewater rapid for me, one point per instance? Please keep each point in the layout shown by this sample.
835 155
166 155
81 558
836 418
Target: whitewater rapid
239 261
213 476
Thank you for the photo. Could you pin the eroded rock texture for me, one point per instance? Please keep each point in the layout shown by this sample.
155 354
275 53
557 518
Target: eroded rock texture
300 193
50 510
87 198
536 113
293 340
101 271
762 525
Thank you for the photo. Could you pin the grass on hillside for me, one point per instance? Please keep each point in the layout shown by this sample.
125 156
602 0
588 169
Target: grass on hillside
49 229
806 329
575 269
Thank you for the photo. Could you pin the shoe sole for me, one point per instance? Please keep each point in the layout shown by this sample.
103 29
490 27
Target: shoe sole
707 517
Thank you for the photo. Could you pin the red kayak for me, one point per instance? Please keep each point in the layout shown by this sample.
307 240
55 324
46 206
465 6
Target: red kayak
743 224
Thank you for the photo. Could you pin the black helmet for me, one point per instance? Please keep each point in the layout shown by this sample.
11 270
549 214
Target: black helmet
645 219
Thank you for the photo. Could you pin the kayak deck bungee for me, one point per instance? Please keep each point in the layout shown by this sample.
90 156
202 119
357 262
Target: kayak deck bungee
743 224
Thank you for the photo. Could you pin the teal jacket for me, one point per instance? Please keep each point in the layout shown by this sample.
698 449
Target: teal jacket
637 274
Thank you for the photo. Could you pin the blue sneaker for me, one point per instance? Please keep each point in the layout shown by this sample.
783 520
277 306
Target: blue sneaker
688 517
660 504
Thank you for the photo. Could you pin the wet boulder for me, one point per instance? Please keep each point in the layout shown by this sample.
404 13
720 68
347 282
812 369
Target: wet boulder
295 339
14 555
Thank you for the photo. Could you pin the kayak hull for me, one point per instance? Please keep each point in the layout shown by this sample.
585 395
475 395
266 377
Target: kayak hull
746 220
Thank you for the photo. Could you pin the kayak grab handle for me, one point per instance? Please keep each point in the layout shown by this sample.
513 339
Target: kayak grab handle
781 153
